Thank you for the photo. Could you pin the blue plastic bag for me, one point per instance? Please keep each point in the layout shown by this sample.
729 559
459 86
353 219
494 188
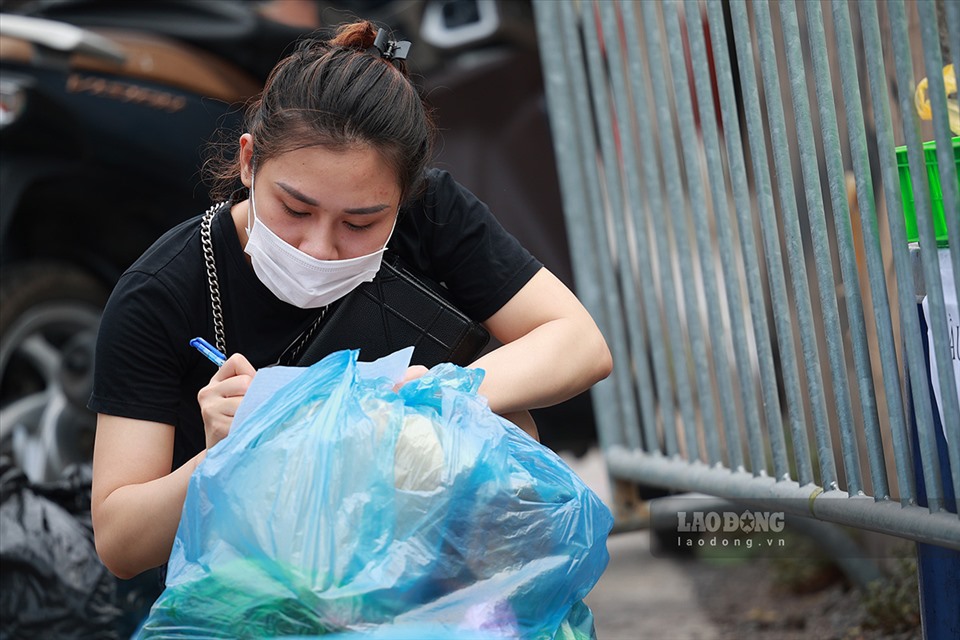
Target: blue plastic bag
339 505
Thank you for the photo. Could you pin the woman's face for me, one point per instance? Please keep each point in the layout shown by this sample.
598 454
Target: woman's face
331 205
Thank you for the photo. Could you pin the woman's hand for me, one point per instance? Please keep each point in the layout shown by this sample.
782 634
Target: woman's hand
222 395
551 349
524 420
412 373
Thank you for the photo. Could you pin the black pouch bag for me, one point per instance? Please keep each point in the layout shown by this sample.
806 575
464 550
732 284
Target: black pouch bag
398 308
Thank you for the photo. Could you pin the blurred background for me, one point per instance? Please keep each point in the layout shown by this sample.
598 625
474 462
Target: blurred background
103 141
106 108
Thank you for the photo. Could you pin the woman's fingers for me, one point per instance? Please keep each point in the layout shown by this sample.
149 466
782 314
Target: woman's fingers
411 374
222 396
235 365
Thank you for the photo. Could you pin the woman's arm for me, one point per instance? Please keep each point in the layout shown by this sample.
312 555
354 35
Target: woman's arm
552 349
136 500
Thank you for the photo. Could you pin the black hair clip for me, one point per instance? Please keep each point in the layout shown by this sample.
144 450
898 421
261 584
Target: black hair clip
390 49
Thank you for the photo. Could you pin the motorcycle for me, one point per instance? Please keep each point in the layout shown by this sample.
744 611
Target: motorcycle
105 107
100 131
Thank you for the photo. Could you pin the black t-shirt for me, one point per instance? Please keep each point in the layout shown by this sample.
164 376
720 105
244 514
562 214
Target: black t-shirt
145 368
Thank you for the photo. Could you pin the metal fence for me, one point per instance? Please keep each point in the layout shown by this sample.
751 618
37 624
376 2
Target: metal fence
734 212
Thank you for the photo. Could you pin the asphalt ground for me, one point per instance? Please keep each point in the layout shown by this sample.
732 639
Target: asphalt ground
639 595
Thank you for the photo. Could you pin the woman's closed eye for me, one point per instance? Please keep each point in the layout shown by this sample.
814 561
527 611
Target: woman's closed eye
291 212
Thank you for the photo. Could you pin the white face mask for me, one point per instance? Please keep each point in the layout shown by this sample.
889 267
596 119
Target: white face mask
299 278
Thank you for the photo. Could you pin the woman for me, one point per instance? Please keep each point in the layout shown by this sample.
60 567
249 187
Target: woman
333 162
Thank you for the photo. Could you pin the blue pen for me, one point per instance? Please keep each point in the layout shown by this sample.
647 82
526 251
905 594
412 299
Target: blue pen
211 352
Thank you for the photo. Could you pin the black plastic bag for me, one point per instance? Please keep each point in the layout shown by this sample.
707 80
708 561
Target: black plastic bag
52 583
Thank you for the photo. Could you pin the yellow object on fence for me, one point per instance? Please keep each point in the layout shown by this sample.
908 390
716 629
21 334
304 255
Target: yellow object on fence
922 100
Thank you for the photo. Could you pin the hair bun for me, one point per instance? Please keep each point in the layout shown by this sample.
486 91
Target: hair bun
355 35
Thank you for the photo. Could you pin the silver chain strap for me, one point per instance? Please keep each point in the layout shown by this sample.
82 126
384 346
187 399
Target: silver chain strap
212 281
292 354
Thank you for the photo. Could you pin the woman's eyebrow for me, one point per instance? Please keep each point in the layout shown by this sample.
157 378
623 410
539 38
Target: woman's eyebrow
375 208
371 209
296 194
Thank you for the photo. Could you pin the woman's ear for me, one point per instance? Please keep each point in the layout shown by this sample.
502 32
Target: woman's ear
246 159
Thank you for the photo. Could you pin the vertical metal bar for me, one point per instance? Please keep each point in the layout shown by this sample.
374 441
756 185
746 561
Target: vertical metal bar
818 231
845 249
791 224
678 217
949 400
909 321
595 214
941 127
686 123
953 31
953 34
631 171
742 206
611 172
871 241
678 361
572 144
741 195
